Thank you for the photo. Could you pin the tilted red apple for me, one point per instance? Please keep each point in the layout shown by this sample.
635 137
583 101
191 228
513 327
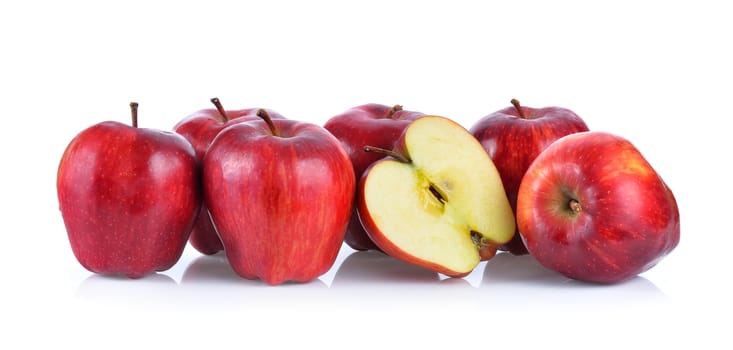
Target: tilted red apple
592 208
370 124
128 197
199 129
437 201
513 137
280 193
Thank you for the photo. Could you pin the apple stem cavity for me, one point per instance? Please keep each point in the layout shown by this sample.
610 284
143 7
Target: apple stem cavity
395 109
387 152
575 206
220 108
266 117
133 112
518 107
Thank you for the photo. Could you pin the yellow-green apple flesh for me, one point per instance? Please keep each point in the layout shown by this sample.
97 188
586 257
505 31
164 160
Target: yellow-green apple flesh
374 125
437 201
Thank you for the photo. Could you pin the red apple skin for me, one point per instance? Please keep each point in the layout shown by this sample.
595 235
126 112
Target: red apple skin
281 204
367 125
626 219
514 139
199 129
128 197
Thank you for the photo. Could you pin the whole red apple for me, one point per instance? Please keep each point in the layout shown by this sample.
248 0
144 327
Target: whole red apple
128 197
199 129
592 208
374 125
280 193
513 137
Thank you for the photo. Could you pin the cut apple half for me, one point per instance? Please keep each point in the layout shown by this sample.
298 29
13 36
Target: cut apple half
438 201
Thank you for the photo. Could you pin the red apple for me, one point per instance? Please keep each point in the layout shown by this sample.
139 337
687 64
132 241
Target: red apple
592 208
280 193
199 129
128 197
513 137
370 124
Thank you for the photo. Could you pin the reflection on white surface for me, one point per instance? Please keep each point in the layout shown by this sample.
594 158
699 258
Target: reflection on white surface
373 281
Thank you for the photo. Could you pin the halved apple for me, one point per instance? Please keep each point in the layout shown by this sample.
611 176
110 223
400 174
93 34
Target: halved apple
438 201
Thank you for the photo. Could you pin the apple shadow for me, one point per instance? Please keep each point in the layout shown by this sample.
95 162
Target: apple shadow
522 281
209 269
210 283
376 281
155 289
374 268
215 269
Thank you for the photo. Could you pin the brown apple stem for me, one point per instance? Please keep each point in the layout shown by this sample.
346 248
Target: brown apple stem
266 117
133 111
518 107
387 152
219 108
395 108
575 206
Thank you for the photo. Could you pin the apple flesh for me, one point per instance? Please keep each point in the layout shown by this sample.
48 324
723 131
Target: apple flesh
514 137
280 193
370 124
438 201
128 197
199 129
592 208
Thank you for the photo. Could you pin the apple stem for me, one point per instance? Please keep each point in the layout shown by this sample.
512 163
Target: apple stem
266 117
219 108
575 206
133 111
395 108
516 105
387 152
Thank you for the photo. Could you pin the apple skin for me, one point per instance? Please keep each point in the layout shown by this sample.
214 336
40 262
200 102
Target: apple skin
370 124
514 137
129 197
593 209
199 129
280 203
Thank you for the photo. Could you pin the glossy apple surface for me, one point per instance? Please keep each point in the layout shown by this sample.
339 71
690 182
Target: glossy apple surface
199 129
367 125
280 194
128 197
513 137
592 208
437 201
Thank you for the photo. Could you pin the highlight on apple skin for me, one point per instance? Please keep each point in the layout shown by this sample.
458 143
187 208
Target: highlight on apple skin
592 208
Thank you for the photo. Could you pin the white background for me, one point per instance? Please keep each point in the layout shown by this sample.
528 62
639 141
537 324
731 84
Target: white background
657 73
